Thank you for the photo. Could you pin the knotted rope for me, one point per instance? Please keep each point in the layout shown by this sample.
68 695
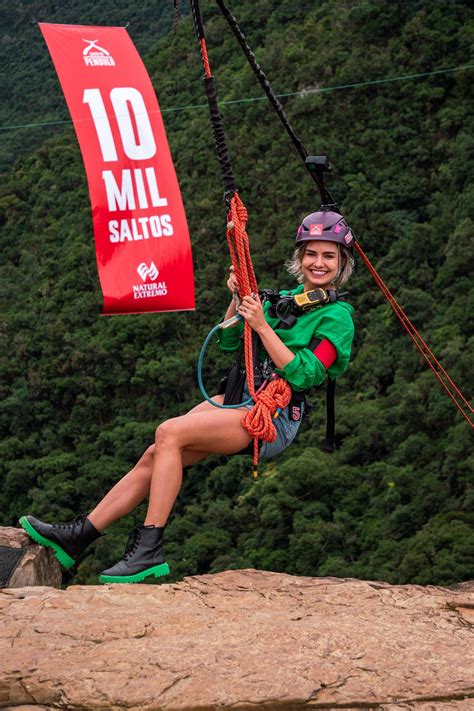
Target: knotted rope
259 420
239 249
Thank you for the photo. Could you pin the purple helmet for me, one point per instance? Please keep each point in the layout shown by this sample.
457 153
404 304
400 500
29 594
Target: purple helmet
327 226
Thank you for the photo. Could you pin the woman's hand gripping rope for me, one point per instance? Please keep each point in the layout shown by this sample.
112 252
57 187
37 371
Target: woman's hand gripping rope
233 286
251 310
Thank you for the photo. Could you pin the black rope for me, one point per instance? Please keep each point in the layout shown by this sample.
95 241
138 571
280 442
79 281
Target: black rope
262 78
197 19
230 187
314 169
176 17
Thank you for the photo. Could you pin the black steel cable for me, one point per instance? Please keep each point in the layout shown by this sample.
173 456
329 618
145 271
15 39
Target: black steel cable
316 172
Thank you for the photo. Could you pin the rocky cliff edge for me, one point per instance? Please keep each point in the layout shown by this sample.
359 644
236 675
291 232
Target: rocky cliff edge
241 640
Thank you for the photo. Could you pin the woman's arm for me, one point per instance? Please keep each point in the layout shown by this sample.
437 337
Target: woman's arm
302 371
251 310
232 286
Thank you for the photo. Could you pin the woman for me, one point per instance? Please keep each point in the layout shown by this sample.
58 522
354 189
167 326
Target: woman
322 258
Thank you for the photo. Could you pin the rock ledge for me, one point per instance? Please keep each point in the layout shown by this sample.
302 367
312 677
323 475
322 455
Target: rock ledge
24 563
240 639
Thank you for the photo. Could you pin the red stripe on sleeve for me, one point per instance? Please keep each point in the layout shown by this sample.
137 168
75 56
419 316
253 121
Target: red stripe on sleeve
326 353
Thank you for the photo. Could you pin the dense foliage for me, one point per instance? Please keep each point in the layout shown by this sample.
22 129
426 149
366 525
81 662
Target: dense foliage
81 395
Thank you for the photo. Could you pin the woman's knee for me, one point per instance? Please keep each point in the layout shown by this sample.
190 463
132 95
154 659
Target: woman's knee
167 433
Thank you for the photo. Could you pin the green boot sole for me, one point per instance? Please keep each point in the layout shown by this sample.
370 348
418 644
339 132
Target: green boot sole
61 555
157 571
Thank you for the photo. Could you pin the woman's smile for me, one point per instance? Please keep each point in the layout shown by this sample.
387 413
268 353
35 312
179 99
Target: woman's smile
320 264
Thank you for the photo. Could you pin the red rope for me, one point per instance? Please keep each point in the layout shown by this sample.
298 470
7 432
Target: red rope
258 421
243 269
417 339
205 58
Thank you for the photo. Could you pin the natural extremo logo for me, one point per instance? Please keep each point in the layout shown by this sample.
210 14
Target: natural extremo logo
153 288
148 271
95 56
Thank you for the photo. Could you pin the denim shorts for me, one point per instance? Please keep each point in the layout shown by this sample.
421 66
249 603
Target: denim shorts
286 430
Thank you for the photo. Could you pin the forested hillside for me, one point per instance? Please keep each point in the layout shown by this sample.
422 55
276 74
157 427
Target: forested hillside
81 394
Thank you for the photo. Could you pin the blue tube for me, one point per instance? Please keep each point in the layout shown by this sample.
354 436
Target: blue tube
199 372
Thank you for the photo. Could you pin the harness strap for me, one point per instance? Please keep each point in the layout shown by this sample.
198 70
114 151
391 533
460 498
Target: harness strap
330 443
233 384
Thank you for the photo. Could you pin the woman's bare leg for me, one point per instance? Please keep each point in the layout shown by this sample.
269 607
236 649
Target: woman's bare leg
204 430
134 487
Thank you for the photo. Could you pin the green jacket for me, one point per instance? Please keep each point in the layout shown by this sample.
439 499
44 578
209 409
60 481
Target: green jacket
304 371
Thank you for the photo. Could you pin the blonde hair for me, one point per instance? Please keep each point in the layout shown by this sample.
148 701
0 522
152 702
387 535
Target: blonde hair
346 264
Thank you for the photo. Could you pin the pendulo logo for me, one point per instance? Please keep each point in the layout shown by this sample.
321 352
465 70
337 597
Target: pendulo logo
316 230
153 287
95 56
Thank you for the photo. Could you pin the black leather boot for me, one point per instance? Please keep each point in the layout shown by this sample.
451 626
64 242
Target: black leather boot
68 540
143 557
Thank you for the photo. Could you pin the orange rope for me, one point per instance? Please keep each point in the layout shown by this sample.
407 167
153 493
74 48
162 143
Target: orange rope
243 269
205 58
417 339
258 421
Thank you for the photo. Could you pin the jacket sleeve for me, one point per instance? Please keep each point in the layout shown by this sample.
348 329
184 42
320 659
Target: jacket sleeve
229 339
304 371
338 327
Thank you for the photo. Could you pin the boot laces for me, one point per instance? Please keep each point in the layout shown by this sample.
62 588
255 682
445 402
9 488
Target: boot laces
134 539
76 526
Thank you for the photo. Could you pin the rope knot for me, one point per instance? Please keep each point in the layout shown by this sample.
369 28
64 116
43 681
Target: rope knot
242 213
259 420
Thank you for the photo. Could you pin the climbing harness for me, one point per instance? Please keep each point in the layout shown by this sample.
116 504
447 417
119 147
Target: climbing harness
317 166
287 308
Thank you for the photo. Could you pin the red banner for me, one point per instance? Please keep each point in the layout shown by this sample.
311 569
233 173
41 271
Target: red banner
141 235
